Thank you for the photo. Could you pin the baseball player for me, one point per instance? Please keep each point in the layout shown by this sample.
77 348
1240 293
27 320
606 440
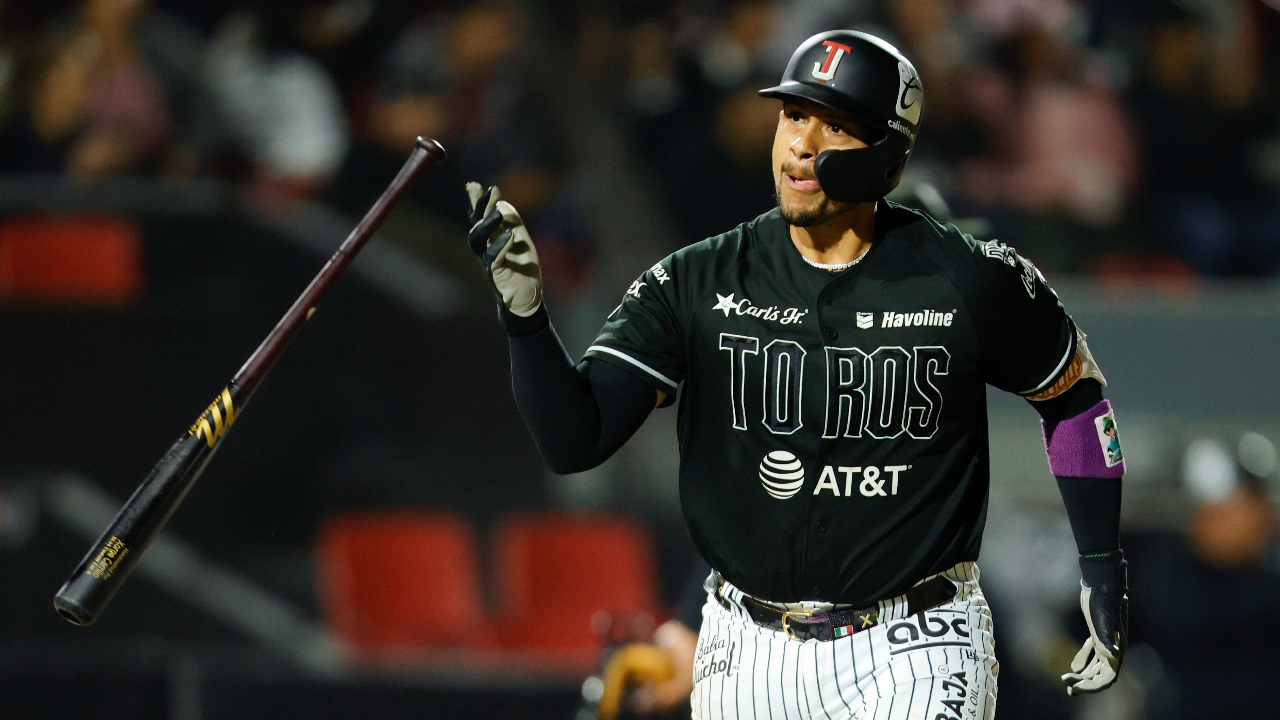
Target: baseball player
830 358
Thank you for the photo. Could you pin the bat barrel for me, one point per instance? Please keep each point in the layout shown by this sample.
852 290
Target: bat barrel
426 154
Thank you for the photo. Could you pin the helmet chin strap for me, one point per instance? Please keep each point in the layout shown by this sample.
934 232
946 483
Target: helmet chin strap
855 176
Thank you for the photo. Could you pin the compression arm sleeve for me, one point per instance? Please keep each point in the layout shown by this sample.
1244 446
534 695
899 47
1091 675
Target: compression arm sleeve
578 416
1093 503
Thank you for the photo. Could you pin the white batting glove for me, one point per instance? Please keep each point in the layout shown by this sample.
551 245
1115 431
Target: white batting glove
1106 610
500 239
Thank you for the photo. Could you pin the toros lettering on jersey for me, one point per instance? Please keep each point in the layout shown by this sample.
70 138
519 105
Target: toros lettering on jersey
883 393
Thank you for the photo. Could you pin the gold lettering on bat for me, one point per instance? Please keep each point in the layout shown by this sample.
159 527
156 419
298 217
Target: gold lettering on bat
108 559
221 422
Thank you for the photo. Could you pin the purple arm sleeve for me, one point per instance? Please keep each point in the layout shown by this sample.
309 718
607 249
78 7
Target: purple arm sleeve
1090 487
1086 445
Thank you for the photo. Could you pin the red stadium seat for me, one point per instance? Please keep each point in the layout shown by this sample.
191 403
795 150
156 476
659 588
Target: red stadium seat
73 260
400 579
556 571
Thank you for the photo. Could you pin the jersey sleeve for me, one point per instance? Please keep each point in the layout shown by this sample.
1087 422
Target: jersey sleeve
644 335
1026 337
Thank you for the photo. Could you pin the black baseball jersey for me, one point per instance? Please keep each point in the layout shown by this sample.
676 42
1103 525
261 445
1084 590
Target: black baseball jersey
832 426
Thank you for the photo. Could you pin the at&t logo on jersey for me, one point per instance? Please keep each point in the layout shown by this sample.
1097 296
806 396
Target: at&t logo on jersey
873 480
782 474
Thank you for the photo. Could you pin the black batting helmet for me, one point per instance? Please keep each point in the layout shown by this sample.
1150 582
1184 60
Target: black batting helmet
869 80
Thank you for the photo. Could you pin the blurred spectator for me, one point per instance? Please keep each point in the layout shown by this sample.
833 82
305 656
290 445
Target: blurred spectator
460 77
8 66
117 94
347 36
934 33
448 76
731 50
715 175
691 85
1031 579
1207 601
280 104
1197 99
1055 142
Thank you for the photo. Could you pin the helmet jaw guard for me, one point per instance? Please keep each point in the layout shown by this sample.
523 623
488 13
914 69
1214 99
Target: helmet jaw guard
862 175
869 80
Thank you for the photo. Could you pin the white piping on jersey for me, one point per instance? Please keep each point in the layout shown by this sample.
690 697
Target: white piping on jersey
1071 351
633 361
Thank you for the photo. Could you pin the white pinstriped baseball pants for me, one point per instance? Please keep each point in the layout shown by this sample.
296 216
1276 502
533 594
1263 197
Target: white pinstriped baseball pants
936 665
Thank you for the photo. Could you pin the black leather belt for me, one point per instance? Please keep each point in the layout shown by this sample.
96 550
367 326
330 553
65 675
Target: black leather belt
834 624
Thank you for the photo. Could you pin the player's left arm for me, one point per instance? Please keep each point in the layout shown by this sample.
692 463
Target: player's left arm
1084 455
1033 348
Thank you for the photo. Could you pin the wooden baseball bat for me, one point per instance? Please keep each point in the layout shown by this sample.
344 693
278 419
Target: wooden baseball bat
109 561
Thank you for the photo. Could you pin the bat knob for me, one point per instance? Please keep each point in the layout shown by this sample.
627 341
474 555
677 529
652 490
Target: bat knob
69 602
432 147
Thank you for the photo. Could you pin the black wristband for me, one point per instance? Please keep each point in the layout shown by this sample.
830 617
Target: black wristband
518 326
1104 570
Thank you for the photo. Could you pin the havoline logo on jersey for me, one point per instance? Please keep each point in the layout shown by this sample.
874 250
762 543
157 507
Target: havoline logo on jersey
782 474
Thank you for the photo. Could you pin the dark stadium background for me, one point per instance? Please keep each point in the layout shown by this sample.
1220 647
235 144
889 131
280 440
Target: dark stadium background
173 172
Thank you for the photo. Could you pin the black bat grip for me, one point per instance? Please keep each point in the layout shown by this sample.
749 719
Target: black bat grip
112 557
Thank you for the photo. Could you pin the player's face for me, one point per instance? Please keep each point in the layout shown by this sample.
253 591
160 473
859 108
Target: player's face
805 129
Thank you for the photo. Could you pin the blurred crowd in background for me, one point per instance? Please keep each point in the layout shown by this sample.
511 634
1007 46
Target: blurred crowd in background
1129 137
1121 138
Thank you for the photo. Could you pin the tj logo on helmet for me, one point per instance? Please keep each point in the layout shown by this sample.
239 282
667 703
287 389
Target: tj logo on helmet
826 69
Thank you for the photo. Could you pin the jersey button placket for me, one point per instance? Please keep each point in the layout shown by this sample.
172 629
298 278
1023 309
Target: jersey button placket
830 334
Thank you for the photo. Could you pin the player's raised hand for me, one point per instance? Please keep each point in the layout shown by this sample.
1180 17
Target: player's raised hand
1104 600
501 241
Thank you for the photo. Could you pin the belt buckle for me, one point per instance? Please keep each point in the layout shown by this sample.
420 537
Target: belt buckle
786 621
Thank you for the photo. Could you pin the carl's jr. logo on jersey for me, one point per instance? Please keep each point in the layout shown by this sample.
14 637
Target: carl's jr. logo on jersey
782 316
